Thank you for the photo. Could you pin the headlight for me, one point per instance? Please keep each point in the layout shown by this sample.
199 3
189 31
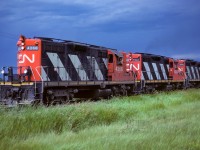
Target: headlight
25 71
2 71
22 48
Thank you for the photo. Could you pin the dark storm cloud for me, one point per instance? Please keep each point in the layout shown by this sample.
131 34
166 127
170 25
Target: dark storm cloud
154 26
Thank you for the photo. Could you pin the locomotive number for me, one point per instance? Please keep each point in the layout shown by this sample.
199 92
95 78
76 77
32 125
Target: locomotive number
119 69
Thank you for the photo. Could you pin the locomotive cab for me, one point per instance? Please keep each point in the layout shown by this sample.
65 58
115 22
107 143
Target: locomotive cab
28 61
29 58
177 69
19 84
117 67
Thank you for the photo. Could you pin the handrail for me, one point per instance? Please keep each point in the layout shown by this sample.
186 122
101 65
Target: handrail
160 72
40 77
34 79
81 73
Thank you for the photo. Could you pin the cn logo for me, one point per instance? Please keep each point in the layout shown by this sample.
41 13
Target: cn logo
180 69
133 66
23 57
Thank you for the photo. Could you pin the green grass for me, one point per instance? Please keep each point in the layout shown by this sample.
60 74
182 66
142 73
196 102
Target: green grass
158 121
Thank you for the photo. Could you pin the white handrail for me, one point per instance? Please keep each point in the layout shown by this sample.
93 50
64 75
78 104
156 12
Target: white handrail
40 77
34 79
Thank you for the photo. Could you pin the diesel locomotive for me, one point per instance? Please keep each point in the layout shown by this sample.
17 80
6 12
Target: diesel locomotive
51 71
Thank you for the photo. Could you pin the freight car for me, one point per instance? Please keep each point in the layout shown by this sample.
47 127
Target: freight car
51 71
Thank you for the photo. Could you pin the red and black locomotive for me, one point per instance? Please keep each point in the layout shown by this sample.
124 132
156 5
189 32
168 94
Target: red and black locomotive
57 71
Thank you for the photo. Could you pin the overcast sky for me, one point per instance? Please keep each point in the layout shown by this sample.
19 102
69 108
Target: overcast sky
164 27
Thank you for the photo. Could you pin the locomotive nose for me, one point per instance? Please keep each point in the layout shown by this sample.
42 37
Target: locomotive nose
10 96
14 94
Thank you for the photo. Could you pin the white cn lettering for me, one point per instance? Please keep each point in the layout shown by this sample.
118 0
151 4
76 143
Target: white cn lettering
24 57
133 66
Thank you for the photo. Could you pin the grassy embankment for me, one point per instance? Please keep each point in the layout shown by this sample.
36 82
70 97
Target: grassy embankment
158 121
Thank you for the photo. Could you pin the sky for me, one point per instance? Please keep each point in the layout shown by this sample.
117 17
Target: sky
162 27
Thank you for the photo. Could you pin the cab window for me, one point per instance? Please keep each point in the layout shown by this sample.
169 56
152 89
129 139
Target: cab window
110 58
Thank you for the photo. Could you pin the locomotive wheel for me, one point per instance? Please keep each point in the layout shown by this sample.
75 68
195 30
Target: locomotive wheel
64 100
49 98
124 92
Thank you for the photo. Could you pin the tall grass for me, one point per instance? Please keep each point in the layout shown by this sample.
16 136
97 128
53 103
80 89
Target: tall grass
157 121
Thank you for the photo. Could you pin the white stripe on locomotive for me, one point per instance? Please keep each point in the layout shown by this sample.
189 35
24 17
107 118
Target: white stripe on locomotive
98 72
58 66
163 71
78 66
188 71
142 76
44 75
168 67
96 68
105 60
156 71
197 72
193 72
146 65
